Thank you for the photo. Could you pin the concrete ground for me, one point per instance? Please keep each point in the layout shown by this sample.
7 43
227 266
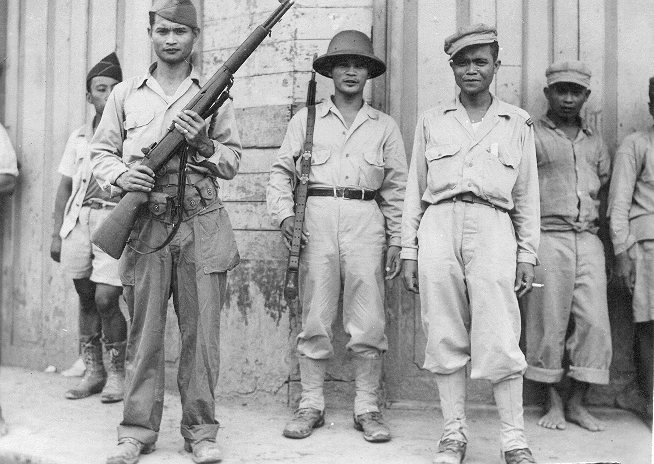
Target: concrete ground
45 428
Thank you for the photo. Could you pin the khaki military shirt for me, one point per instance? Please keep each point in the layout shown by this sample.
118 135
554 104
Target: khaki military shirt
631 196
495 161
370 155
570 173
139 113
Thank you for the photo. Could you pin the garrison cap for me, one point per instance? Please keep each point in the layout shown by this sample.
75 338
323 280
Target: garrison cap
574 71
109 66
475 34
651 89
177 11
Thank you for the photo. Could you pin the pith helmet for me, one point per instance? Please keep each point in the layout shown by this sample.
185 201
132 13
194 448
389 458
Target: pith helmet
349 43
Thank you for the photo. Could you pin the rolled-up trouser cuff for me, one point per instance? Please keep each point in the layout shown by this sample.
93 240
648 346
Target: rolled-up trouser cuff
145 436
196 433
589 375
543 375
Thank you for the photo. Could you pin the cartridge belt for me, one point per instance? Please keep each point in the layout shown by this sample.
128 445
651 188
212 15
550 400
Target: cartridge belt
347 193
163 204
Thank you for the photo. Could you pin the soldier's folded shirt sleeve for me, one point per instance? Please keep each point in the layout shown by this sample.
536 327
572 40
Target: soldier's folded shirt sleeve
107 144
626 166
279 193
223 132
393 187
415 188
8 162
526 212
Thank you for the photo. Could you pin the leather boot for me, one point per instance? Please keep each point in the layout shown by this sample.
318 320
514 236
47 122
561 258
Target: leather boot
114 389
128 451
95 376
367 418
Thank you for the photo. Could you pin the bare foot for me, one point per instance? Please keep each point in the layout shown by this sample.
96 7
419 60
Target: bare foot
578 414
555 417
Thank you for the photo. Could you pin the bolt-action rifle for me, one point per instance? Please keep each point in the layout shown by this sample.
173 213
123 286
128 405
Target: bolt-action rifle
113 233
291 284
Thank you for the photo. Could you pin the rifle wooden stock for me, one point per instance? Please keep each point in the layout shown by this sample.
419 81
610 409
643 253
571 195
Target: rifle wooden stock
113 233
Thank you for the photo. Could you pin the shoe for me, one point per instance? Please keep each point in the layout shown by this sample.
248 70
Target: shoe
129 450
373 427
95 376
114 389
519 456
204 451
303 422
450 451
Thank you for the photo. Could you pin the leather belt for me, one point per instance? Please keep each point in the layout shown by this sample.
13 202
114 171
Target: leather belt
472 198
347 193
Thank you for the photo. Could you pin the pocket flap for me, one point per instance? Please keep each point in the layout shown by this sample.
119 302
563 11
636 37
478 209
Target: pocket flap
207 188
435 152
374 157
134 120
508 158
191 200
157 203
320 156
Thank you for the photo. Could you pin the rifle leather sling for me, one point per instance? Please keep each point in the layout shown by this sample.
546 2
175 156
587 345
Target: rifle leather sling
302 190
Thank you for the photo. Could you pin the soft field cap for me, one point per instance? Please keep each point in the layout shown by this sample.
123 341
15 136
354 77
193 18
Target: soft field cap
177 11
568 71
476 34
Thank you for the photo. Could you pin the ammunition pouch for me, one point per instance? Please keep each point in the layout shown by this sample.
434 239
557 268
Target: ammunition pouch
200 193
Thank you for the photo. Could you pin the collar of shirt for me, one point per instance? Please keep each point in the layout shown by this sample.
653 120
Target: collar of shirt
181 90
329 106
585 128
497 107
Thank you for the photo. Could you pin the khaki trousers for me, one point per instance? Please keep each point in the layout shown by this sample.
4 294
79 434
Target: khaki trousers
191 268
572 270
466 269
345 251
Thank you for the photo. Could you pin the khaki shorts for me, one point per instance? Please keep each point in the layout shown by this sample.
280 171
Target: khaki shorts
81 259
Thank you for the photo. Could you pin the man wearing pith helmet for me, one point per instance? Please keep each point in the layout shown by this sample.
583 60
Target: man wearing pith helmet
352 230
193 265
470 232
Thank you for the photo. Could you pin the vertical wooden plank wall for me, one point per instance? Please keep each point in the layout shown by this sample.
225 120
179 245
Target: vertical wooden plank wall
50 47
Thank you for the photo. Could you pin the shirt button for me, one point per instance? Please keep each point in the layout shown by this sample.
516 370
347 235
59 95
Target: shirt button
469 184
470 164
347 177
347 155
83 181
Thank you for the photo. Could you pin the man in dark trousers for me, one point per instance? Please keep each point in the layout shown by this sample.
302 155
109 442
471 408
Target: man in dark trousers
194 264
353 214
80 207
469 238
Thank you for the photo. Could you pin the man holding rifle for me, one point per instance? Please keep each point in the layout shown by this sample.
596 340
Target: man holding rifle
354 207
193 265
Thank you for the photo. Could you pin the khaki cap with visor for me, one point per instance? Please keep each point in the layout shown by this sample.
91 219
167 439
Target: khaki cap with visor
572 71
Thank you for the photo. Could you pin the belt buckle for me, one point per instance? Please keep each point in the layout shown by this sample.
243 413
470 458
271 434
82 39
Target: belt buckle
335 193
363 193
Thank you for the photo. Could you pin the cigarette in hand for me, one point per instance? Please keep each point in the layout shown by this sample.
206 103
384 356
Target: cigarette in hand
535 285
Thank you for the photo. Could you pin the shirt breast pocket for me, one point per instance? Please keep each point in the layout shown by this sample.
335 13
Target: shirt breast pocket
502 162
319 157
372 170
136 124
443 166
